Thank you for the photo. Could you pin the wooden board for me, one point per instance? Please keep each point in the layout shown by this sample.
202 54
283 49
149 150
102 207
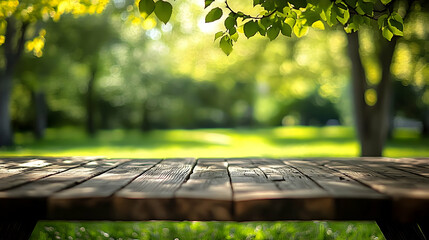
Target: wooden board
207 194
409 193
92 197
151 195
35 169
240 189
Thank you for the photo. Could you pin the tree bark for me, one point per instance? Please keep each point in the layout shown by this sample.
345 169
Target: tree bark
372 122
13 47
6 134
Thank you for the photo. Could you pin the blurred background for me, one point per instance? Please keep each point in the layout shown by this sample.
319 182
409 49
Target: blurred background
99 80
114 80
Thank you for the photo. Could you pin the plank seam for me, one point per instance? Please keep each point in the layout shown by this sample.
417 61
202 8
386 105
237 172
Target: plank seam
314 181
186 178
357 180
128 183
90 177
407 171
232 190
49 175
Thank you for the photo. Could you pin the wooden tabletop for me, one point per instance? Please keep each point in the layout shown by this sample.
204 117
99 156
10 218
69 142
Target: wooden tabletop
215 189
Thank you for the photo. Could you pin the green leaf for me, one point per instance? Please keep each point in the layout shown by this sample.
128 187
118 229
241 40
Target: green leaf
367 7
273 32
208 3
345 18
342 6
146 7
226 45
397 17
351 2
250 28
163 11
234 36
318 24
387 33
396 27
310 16
385 1
268 5
287 27
214 15
280 4
266 22
382 21
230 22
299 3
218 35
300 30
256 2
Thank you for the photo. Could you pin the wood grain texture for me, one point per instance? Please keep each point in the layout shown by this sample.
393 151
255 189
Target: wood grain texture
90 199
408 193
51 184
35 169
275 191
350 197
207 194
151 195
240 189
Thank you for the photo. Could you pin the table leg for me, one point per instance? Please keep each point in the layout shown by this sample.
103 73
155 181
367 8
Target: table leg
16 230
400 231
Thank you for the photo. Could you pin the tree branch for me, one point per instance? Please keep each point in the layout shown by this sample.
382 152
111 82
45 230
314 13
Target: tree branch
248 16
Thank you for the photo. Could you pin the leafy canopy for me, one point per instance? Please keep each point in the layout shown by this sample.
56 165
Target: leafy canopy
31 11
293 17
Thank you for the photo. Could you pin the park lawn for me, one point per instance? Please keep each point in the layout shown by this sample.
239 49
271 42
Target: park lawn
271 142
299 141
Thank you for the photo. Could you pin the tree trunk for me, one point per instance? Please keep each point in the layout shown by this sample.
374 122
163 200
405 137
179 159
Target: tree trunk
6 134
90 104
39 100
372 122
13 47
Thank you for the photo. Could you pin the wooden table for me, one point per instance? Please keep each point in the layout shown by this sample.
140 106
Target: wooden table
394 192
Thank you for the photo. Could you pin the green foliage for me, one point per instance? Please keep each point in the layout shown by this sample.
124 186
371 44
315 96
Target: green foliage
213 15
297 16
29 12
163 11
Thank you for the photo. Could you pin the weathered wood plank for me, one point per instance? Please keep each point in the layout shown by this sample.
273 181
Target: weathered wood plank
12 166
409 197
92 197
207 194
37 169
279 192
151 195
53 183
31 199
351 198
336 183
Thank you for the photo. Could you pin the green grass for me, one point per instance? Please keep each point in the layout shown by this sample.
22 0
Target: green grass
207 230
272 142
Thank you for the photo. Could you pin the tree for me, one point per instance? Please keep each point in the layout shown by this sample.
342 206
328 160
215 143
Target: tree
269 18
16 19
